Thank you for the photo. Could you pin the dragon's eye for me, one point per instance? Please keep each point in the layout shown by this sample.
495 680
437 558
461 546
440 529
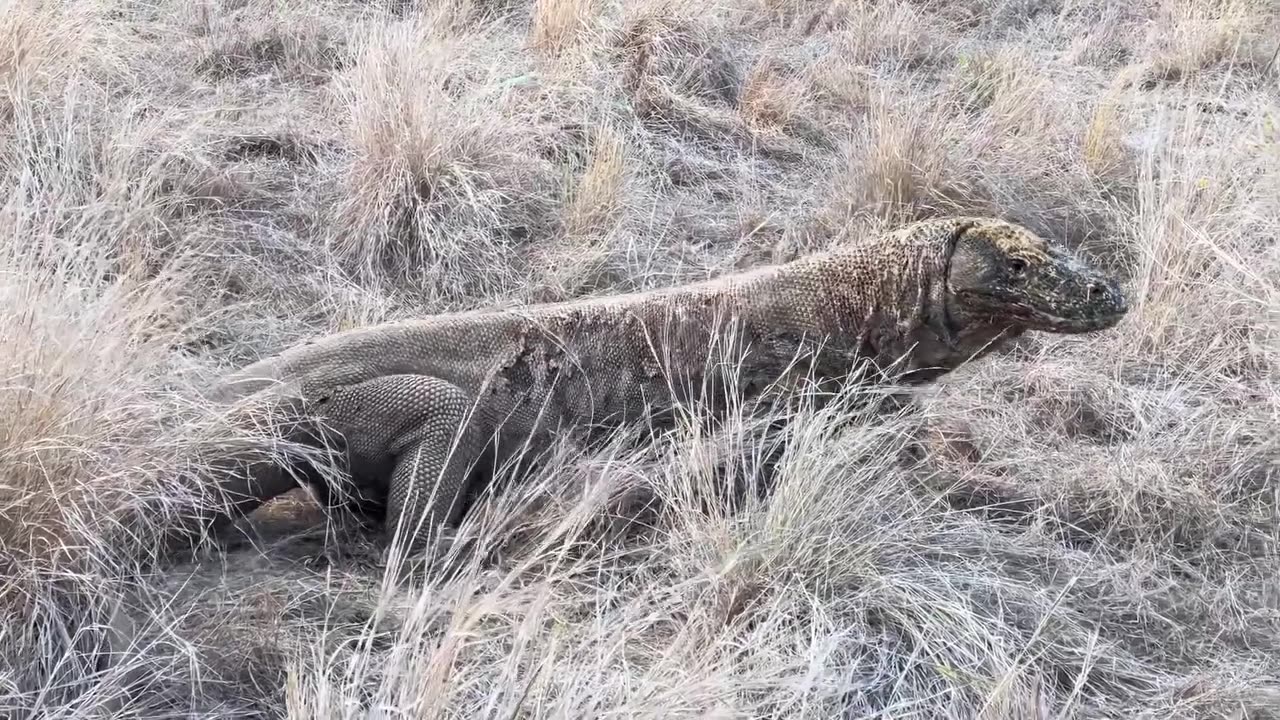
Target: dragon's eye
1017 267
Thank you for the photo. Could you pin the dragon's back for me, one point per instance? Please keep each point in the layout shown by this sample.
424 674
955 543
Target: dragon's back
601 335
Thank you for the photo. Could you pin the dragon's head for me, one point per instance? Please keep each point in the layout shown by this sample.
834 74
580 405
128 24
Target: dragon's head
1002 274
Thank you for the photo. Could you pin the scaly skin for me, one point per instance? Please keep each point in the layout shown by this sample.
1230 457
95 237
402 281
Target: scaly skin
906 307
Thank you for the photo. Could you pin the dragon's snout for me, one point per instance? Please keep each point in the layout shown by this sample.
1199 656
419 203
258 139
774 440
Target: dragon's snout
1084 300
1107 297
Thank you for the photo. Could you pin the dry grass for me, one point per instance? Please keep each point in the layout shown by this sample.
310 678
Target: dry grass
1082 527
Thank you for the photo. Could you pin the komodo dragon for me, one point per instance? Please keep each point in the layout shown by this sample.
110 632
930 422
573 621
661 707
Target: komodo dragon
907 306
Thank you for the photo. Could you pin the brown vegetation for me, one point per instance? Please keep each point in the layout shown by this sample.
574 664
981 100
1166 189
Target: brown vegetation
1081 527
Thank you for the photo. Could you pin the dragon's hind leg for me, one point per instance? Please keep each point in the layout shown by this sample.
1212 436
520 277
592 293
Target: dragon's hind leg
425 433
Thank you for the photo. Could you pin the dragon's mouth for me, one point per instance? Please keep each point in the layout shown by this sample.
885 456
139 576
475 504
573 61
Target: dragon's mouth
1079 323
1087 316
